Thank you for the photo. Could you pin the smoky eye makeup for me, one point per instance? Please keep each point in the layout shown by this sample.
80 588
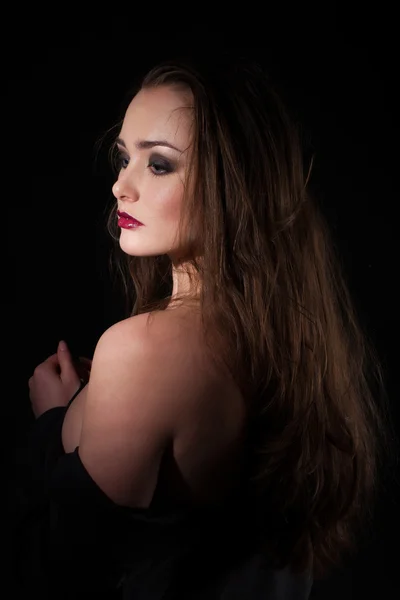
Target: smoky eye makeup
156 163
160 165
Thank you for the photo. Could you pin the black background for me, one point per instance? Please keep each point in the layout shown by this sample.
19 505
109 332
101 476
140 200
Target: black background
65 84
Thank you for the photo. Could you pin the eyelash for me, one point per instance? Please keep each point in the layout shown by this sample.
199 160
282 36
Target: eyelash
120 158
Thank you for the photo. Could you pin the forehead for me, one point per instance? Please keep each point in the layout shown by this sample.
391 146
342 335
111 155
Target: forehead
159 112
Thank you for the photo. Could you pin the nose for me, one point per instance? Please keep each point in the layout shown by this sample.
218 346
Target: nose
124 190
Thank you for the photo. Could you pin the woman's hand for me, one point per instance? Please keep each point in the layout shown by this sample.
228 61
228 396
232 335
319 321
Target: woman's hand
56 380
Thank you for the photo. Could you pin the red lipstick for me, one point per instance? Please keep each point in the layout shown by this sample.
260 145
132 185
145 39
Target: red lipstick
126 221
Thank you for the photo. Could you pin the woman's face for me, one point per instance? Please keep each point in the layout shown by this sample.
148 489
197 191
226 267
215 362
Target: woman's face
154 145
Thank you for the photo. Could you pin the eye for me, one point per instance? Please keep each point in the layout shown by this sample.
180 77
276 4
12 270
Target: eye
159 167
120 160
123 162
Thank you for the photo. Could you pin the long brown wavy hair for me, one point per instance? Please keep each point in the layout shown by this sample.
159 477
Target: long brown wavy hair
277 311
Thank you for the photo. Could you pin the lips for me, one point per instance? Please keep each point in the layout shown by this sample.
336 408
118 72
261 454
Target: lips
128 217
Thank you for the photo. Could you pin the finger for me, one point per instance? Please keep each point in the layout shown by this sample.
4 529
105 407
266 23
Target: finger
53 359
51 363
68 370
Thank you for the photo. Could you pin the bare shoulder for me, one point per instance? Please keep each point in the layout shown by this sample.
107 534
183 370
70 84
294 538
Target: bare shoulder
166 333
135 335
168 347
151 385
139 390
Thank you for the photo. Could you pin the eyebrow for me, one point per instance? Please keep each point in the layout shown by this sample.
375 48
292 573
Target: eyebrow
145 144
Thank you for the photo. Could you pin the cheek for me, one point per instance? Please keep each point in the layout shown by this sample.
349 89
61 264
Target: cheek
167 200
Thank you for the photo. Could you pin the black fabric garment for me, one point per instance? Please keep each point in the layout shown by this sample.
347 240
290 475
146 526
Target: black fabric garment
72 541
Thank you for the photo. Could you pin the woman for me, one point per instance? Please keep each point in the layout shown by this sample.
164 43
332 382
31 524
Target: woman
231 419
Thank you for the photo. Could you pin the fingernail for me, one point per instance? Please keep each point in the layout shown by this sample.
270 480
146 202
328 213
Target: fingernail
62 346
